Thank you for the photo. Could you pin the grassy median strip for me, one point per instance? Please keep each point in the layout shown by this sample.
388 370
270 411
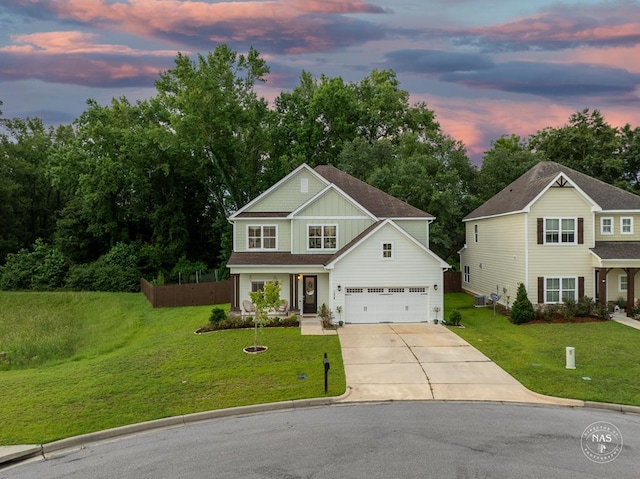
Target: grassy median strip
104 360
606 353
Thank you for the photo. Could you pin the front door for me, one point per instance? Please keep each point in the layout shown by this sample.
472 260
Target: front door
310 302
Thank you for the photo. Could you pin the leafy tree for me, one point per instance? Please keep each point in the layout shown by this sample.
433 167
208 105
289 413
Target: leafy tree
508 159
264 300
218 118
42 268
29 204
587 144
522 309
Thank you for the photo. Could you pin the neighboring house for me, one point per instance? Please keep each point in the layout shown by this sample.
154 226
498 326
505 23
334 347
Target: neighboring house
329 238
559 232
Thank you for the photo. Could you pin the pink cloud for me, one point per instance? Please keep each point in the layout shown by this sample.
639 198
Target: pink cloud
72 42
194 19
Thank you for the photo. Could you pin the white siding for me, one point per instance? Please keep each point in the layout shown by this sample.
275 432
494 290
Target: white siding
411 266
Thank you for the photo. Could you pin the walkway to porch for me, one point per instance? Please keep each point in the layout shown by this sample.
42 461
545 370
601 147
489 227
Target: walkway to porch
623 319
312 326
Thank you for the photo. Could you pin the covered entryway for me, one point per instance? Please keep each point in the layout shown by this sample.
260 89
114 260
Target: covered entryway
387 305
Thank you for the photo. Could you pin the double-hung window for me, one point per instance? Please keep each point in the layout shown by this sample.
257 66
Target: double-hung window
557 290
622 283
261 237
626 225
606 226
387 250
560 230
467 273
322 236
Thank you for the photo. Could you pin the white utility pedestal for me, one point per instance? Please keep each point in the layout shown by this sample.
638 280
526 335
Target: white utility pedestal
571 357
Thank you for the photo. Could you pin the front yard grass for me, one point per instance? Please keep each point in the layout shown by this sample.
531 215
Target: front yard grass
127 362
606 353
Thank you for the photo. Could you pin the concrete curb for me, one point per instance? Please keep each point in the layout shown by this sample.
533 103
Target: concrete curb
13 454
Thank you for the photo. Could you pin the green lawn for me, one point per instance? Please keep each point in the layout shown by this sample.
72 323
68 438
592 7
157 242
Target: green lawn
82 362
607 353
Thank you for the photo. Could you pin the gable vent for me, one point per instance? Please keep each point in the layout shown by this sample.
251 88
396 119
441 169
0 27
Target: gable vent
304 185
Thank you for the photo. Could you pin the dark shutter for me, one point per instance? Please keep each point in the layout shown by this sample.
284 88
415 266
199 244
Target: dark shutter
540 290
581 231
540 230
580 287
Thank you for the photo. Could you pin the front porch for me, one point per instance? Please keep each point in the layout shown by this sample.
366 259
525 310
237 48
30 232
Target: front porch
616 265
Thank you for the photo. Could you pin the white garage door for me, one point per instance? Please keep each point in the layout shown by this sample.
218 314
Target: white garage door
386 305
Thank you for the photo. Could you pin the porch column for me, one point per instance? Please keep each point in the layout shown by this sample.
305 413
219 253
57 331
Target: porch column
293 292
602 285
235 292
631 280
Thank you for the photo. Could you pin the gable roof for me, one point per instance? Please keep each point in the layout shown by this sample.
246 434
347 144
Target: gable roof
376 201
516 196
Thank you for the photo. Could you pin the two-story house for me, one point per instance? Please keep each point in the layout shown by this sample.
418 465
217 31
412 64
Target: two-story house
329 238
561 233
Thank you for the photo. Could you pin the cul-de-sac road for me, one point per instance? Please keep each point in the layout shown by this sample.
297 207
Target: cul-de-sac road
412 439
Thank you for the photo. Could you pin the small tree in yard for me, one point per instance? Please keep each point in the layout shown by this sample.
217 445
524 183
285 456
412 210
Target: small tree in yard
266 300
522 309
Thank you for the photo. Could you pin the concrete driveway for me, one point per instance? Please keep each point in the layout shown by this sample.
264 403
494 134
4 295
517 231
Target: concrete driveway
424 361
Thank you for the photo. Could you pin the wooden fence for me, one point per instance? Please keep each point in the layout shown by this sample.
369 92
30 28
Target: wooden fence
191 294
452 281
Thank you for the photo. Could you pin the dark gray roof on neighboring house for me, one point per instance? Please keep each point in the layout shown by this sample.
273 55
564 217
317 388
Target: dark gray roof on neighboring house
381 204
520 192
617 249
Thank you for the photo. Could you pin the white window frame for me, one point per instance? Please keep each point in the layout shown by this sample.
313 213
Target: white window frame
261 247
257 286
383 251
561 288
475 233
622 225
323 237
561 231
466 273
623 280
602 225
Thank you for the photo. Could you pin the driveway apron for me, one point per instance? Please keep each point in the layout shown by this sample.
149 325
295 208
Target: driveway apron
424 361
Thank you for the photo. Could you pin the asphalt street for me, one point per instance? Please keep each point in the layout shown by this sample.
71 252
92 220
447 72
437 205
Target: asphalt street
418 439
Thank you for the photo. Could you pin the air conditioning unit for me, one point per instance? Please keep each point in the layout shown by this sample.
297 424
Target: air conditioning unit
480 301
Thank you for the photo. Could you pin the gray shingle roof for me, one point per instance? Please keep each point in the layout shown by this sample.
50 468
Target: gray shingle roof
520 192
277 259
617 249
379 203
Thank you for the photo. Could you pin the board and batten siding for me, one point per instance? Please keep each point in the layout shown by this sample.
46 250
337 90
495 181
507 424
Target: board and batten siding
558 260
497 260
283 235
411 266
347 230
288 196
419 229
333 204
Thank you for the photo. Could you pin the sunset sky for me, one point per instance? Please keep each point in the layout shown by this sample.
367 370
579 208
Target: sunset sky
486 68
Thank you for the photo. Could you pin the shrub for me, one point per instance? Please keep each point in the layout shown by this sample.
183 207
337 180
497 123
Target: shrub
326 315
522 310
44 268
455 317
217 315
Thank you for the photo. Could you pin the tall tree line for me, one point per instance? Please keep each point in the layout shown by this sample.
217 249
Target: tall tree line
146 187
